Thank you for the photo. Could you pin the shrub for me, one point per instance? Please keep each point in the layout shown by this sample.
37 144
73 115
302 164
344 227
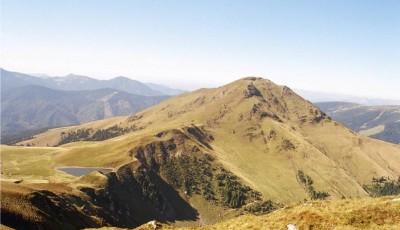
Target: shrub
234 194
196 175
75 135
307 183
287 145
90 135
261 207
383 186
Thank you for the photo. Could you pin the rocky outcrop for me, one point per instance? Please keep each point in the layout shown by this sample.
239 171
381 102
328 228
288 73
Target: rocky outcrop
252 91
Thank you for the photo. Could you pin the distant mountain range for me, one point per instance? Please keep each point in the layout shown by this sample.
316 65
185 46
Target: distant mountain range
35 107
381 122
11 80
315 97
30 104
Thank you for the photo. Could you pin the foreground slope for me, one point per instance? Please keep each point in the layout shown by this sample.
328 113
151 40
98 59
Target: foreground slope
366 213
213 154
382 213
380 122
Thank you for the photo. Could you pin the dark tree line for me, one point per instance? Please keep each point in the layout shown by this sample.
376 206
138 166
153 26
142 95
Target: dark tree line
197 175
91 135
307 182
383 186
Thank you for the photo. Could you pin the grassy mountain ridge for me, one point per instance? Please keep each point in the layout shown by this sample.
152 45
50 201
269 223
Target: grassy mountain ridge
275 125
251 135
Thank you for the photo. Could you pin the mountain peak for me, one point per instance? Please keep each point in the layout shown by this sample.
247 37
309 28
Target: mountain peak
251 78
247 100
122 78
262 88
76 76
256 82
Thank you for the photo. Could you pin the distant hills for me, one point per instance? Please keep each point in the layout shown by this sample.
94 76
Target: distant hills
315 97
30 104
163 89
32 107
10 80
381 122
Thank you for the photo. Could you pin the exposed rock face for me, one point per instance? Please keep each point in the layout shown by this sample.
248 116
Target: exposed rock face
252 91
259 111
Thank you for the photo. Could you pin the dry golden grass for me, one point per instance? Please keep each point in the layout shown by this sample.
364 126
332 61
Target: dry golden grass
28 163
3 227
19 202
366 213
13 199
348 214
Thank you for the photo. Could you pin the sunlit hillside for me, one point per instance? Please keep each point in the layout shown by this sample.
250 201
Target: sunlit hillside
198 158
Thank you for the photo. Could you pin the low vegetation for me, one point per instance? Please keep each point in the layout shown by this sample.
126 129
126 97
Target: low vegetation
234 194
261 207
149 188
73 136
198 175
94 135
383 186
307 182
288 145
192 174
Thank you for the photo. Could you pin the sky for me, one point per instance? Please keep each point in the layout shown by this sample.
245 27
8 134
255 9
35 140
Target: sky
342 46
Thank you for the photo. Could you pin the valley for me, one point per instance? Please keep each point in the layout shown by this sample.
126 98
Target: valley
32 104
380 122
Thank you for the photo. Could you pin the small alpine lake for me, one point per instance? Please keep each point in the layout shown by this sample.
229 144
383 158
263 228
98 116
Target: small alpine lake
80 171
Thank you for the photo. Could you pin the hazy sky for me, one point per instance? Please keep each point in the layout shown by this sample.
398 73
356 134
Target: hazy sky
350 47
